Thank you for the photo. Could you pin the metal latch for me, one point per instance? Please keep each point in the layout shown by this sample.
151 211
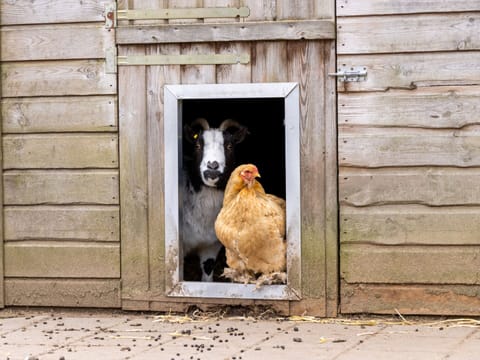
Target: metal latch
351 73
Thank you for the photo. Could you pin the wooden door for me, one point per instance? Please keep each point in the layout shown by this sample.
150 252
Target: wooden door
409 151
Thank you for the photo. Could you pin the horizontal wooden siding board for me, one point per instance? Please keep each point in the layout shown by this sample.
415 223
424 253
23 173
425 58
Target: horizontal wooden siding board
423 185
410 224
410 264
408 33
408 71
60 151
59 114
382 7
32 187
88 223
410 299
62 260
52 42
412 147
47 11
428 107
92 293
51 78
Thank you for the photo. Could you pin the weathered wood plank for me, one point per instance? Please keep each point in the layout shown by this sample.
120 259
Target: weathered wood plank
197 74
409 147
269 60
34 187
435 107
59 114
363 263
52 42
236 73
309 62
93 293
60 151
94 223
286 30
447 300
428 186
49 78
260 10
408 71
410 224
61 260
47 11
134 175
382 7
304 10
221 3
408 33
157 77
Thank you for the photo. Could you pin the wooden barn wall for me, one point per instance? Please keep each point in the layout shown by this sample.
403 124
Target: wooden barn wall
60 156
409 157
141 111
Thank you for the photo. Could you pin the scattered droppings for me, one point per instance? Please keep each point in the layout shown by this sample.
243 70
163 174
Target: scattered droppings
297 339
339 341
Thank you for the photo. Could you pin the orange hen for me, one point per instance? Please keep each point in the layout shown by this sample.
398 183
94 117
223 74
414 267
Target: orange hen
251 226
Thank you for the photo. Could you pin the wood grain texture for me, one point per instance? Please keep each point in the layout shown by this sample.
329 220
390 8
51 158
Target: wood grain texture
427 107
383 7
197 74
51 42
134 175
66 223
395 34
35 187
408 71
244 31
269 59
410 264
47 11
429 186
59 114
410 147
157 77
60 151
410 224
57 78
86 293
61 260
260 10
447 300
235 73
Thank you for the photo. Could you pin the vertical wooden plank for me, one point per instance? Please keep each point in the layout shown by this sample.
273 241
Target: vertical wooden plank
295 9
198 74
182 4
236 73
264 10
305 67
2 292
157 77
331 179
269 61
221 3
133 177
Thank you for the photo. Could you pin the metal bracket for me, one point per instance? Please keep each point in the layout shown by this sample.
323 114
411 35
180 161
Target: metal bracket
111 14
194 59
112 60
351 73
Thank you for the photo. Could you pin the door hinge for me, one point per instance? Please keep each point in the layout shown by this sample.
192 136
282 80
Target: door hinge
351 73
112 60
112 15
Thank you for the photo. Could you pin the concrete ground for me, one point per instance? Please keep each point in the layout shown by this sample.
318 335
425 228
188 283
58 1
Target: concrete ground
81 334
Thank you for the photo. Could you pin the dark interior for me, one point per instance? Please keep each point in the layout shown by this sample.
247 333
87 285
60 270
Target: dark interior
264 146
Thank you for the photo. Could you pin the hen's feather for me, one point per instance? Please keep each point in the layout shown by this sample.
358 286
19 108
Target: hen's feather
251 225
